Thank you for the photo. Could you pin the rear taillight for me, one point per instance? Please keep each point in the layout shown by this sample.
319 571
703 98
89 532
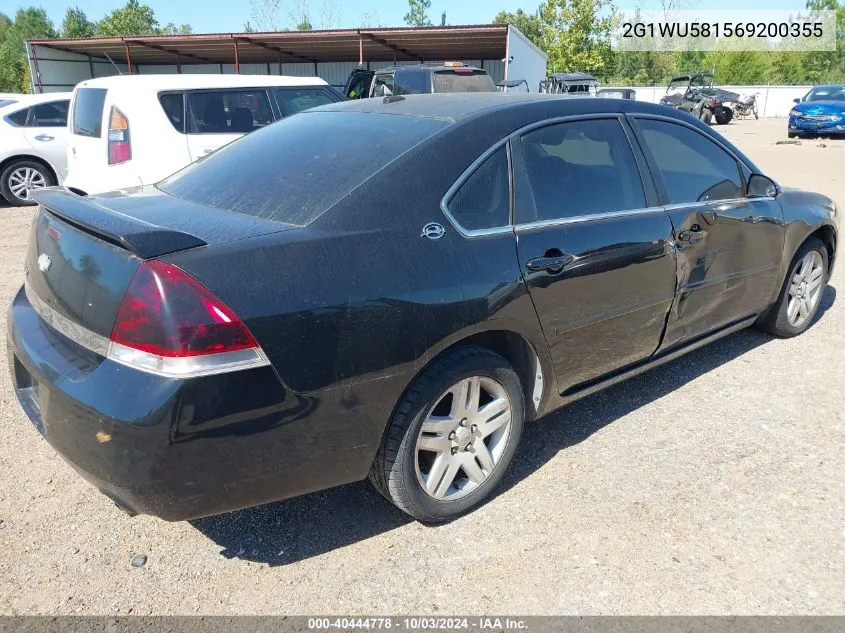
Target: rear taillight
169 323
120 147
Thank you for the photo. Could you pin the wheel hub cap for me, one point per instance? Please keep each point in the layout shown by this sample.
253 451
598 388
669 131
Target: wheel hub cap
463 438
805 289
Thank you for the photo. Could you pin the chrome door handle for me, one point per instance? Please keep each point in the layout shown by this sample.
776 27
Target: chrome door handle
554 261
44 137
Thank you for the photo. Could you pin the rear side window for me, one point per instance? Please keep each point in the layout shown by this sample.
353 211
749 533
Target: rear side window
229 112
293 100
483 200
462 80
295 170
88 104
173 104
50 114
580 168
5 102
693 168
19 117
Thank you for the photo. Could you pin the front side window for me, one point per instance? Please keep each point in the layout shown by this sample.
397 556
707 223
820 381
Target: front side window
693 168
383 85
483 200
229 112
580 168
293 100
52 114
88 105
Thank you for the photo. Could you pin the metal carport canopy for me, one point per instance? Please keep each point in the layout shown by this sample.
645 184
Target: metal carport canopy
366 44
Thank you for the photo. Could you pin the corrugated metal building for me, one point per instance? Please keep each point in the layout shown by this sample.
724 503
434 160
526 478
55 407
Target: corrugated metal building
58 65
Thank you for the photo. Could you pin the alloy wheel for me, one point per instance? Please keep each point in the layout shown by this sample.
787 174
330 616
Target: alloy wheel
805 289
24 179
462 439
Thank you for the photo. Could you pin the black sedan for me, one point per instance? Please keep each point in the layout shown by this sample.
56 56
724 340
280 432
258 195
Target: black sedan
299 311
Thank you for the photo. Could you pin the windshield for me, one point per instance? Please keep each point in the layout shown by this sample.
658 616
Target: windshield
702 81
826 93
462 80
294 170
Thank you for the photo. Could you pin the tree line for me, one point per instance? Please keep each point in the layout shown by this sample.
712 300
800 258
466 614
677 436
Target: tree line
31 23
576 36
574 33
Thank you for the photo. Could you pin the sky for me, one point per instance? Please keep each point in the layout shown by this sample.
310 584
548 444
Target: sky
210 16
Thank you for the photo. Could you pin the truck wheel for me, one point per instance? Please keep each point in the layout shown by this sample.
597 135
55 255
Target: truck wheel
706 116
724 117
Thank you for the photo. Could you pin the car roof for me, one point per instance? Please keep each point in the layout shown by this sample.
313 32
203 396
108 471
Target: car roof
187 82
460 106
25 100
430 67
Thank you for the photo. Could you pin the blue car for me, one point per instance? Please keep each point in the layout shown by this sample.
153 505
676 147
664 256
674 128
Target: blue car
821 111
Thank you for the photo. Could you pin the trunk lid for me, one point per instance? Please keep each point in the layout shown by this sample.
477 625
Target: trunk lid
84 252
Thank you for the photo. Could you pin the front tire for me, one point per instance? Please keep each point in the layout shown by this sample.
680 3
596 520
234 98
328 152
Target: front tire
452 436
802 291
20 178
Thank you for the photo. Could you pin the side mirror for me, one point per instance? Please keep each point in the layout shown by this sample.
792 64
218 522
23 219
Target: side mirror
797 100
760 186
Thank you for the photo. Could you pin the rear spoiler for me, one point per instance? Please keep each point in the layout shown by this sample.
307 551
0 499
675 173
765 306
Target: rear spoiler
140 238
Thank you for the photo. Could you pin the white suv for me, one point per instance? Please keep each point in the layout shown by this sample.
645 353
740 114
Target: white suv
33 144
135 130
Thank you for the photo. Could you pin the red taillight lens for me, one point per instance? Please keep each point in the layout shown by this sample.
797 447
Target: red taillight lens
166 312
120 147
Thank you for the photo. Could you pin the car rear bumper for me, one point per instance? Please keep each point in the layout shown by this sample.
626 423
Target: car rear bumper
181 449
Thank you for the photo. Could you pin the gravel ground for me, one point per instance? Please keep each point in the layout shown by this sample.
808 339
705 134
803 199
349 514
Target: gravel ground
712 485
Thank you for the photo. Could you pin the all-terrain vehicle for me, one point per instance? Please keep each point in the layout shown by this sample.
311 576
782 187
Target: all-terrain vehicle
695 94
580 84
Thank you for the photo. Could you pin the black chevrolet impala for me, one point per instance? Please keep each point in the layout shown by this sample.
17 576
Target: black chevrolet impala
393 288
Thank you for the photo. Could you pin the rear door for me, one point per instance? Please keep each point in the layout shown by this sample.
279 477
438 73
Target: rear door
46 133
218 117
728 246
593 244
88 130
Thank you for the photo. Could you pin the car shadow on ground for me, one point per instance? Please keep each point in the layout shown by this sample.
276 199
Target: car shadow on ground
289 531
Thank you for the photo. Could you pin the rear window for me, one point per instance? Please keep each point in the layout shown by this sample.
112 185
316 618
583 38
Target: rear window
462 81
298 168
88 106
5 102
293 100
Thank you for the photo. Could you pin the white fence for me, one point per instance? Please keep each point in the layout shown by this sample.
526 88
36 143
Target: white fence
772 101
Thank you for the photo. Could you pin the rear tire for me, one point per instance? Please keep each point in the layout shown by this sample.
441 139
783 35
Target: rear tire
438 458
20 177
801 294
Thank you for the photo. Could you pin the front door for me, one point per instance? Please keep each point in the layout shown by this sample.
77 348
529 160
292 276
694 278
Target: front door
358 84
593 245
728 245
